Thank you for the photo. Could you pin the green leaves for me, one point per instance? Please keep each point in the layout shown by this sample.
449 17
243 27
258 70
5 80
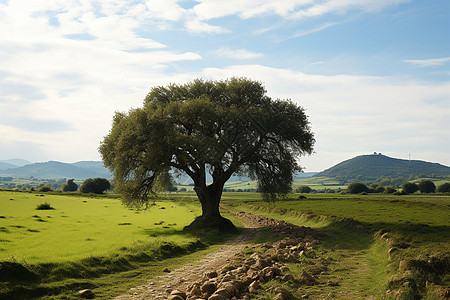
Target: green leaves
220 127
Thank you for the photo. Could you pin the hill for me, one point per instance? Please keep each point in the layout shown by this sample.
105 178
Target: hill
15 162
5 166
55 170
377 165
86 169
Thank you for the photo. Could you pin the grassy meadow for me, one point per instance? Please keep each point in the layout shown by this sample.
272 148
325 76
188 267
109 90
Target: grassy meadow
367 238
90 242
95 242
79 227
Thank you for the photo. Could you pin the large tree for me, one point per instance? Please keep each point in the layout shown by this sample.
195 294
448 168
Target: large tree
219 127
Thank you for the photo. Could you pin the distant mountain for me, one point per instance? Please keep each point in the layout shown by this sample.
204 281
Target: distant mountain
5 166
89 164
54 170
377 165
16 162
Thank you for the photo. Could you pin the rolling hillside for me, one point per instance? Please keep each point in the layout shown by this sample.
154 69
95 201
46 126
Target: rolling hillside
377 165
5 166
55 170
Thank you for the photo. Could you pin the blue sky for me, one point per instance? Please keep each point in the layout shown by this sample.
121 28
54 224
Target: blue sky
373 75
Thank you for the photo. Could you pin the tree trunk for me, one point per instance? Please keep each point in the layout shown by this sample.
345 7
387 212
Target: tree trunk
210 219
210 199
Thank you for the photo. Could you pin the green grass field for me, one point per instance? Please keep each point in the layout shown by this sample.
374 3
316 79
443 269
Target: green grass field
405 216
80 227
92 242
367 249
96 242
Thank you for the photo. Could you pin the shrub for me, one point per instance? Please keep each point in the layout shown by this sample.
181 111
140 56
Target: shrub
357 188
96 185
70 186
379 189
444 188
304 189
427 186
45 188
410 188
172 188
389 190
44 206
397 193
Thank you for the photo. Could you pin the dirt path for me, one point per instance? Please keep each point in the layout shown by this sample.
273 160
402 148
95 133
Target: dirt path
228 273
182 277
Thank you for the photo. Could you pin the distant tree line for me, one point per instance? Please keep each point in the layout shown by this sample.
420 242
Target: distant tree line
90 185
424 187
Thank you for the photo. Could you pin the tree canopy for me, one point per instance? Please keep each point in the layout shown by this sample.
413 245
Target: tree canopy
410 187
444 188
357 187
70 186
221 127
426 186
304 189
95 185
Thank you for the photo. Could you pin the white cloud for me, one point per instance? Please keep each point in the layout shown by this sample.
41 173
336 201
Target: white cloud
197 26
431 62
238 53
64 91
361 113
68 65
293 9
342 7
311 31
168 10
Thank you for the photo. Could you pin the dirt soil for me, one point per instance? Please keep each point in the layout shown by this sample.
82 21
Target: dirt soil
181 278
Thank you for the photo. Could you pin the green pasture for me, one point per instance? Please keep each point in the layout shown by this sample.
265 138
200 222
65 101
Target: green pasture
365 254
95 242
420 220
80 227
316 183
319 183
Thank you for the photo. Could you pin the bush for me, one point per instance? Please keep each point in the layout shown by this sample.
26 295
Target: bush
379 189
172 188
45 188
389 190
397 193
427 186
444 188
95 185
410 188
70 186
357 188
44 206
304 189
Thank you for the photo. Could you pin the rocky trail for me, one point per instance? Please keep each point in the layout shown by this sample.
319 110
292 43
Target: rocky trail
230 273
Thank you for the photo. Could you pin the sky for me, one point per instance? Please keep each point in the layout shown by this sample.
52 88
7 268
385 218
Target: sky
372 75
